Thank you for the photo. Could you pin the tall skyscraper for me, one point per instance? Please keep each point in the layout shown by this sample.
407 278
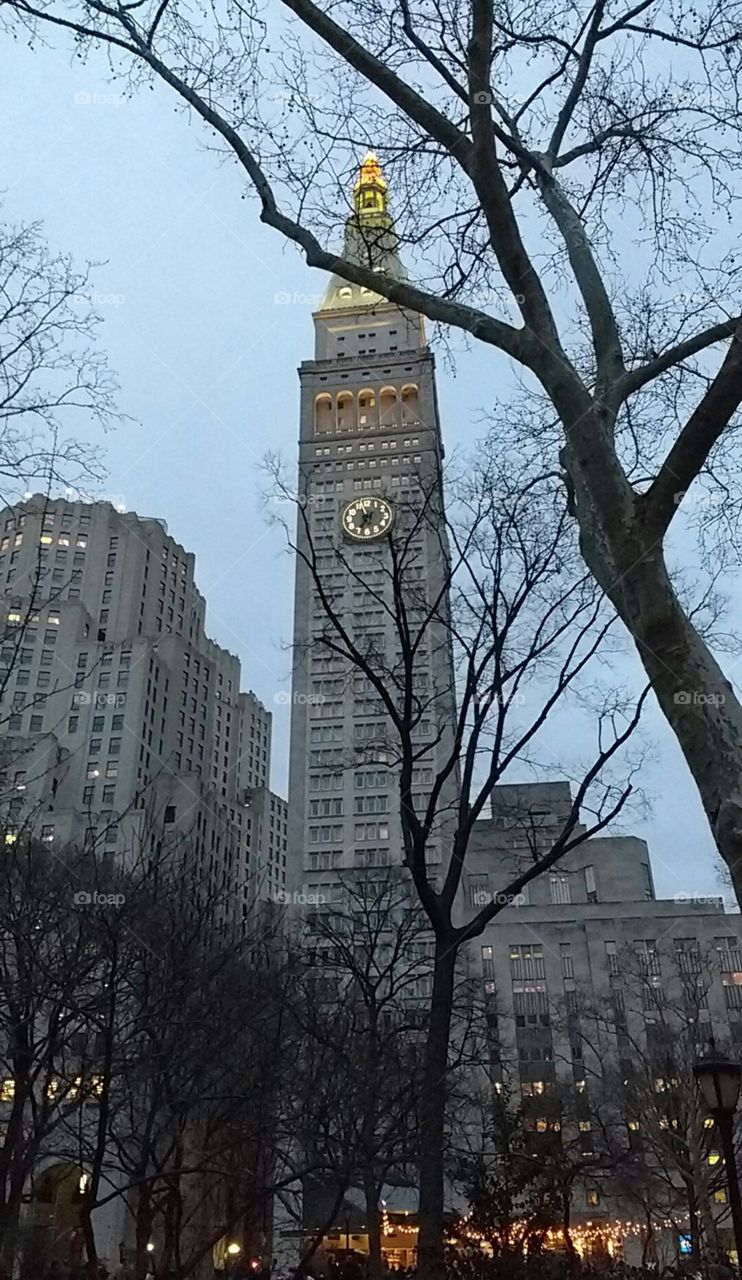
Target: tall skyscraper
121 722
370 455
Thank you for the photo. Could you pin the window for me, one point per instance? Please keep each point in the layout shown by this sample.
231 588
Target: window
72 724
560 888
112 769
478 889
93 769
37 724
527 961
612 958
169 814
646 950
648 885
565 950
591 888
592 1196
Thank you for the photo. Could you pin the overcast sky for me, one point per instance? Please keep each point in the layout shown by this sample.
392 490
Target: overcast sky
205 346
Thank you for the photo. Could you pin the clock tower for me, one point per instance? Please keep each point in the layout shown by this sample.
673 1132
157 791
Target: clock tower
369 445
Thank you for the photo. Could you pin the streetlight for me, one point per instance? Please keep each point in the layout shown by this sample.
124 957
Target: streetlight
719 1079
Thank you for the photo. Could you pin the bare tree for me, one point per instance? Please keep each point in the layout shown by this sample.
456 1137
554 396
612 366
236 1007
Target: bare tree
562 165
461 669
366 976
51 375
652 1032
50 987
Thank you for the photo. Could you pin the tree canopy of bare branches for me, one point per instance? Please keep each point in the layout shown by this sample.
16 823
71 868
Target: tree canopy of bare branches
52 377
564 176
461 667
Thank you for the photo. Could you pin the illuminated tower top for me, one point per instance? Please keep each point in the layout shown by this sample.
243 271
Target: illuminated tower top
370 239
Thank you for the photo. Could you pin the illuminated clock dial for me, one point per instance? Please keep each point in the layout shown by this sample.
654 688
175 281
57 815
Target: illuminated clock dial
366 518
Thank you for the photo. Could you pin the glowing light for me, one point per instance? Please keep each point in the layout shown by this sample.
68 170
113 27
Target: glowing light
150 1247
233 1248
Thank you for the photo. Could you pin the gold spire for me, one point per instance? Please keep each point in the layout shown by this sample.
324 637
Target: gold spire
370 191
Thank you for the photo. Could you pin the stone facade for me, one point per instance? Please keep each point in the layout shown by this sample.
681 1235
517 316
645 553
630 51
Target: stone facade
121 718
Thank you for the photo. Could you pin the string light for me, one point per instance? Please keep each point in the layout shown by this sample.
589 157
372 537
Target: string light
608 1235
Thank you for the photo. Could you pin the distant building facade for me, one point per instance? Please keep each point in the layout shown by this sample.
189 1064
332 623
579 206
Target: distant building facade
587 972
121 721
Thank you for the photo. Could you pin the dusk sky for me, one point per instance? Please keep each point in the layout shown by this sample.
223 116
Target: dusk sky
205 346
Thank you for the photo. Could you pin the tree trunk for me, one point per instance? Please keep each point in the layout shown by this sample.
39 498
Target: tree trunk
625 554
430 1264
567 1223
143 1229
693 1224
373 1227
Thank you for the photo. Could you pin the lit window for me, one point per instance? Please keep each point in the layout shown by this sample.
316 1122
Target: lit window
46 540
7 1090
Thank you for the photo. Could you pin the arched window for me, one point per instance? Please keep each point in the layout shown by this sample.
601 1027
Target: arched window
388 405
345 292
410 407
367 408
345 420
323 414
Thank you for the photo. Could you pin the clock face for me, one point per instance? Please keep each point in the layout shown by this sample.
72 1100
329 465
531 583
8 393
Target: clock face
367 518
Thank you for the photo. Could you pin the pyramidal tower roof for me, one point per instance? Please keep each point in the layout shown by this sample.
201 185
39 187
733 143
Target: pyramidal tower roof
370 240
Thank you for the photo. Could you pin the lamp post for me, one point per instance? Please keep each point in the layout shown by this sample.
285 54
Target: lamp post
719 1079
